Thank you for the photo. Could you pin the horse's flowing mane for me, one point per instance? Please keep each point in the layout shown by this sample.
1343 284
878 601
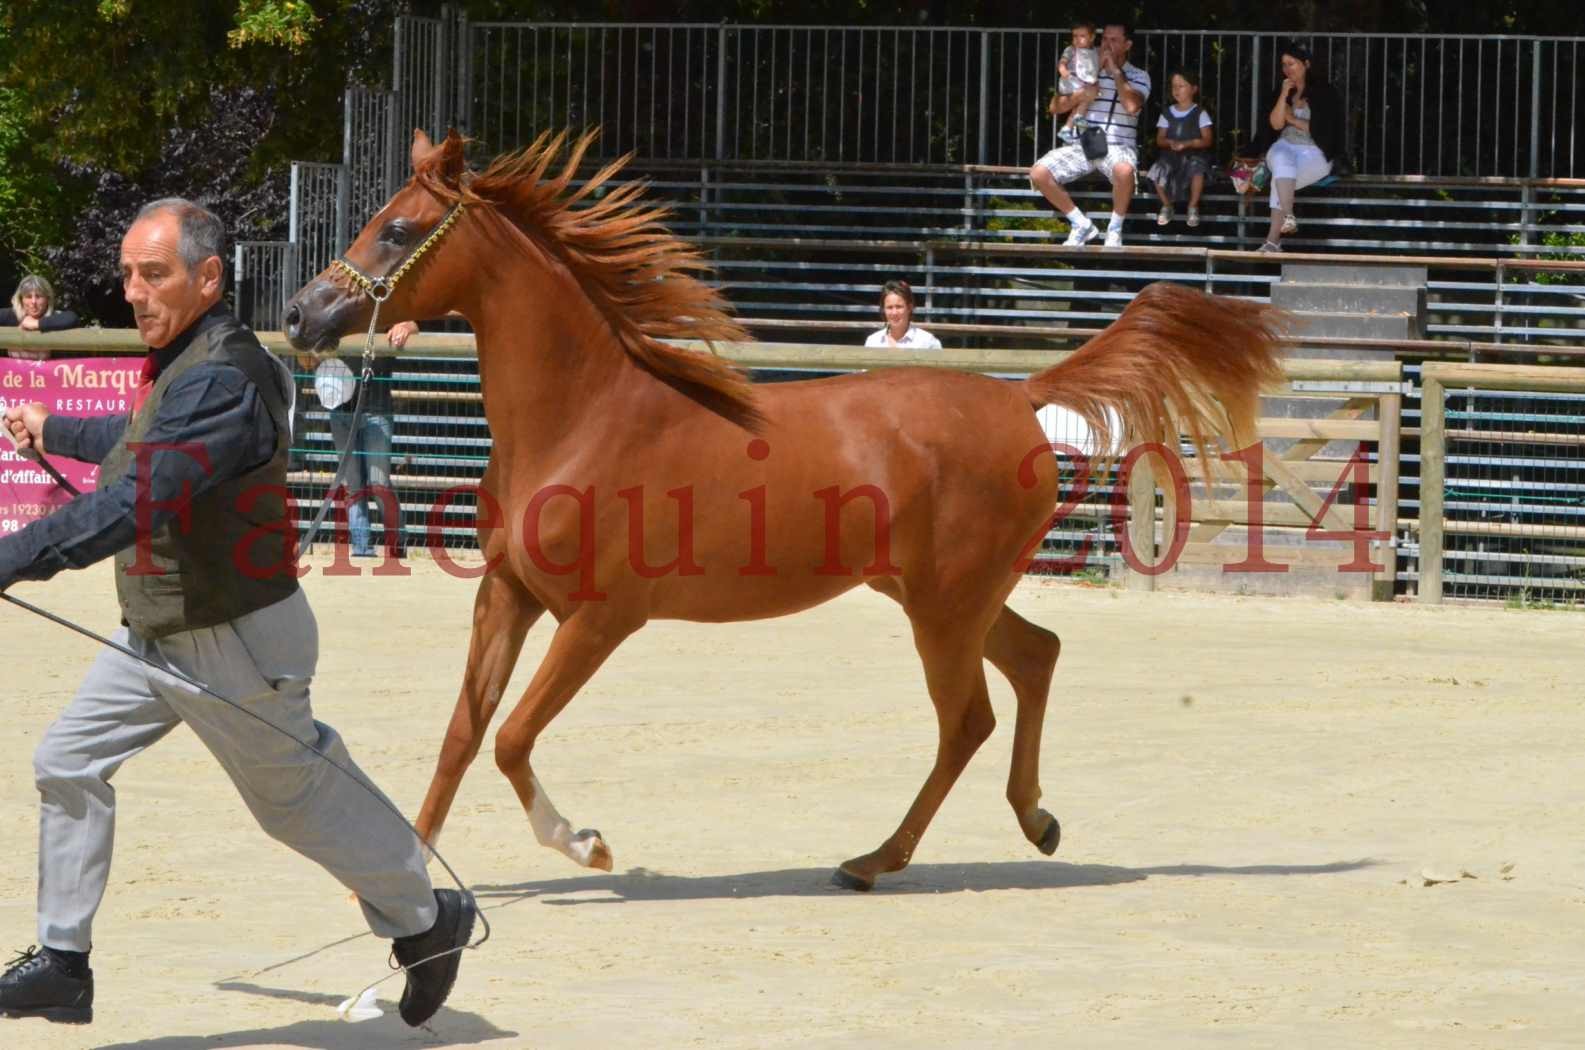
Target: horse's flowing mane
637 273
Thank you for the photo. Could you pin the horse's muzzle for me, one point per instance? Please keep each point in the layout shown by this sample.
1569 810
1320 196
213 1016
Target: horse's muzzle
319 315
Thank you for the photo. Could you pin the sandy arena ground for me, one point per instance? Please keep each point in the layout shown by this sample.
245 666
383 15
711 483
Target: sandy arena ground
1250 790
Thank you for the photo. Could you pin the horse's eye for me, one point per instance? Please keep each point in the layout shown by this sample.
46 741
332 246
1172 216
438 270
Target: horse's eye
395 232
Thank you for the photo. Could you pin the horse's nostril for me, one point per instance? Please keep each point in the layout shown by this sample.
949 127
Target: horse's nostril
294 317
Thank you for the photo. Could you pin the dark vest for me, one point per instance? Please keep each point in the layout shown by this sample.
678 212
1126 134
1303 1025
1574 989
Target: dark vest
1185 128
238 525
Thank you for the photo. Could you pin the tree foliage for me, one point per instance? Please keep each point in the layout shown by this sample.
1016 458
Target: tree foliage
209 163
109 103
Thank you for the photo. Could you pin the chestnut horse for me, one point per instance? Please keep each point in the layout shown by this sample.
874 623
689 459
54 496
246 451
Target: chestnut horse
631 479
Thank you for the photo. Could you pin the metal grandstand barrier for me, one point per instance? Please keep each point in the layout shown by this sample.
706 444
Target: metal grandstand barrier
317 225
1432 104
1502 479
375 149
440 445
815 279
262 274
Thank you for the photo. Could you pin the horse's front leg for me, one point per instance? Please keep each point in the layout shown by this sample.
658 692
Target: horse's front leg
582 643
503 612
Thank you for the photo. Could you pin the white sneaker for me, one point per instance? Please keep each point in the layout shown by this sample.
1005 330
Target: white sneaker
1268 247
1289 224
1114 238
1081 234
1164 216
1194 217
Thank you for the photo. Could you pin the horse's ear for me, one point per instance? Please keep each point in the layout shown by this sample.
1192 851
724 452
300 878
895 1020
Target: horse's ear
453 157
421 147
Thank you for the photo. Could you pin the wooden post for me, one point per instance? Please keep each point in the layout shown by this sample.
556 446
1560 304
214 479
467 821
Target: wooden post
1390 414
1142 522
1433 476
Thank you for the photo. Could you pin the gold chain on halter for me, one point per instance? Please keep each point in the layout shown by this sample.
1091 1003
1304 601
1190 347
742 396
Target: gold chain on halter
380 288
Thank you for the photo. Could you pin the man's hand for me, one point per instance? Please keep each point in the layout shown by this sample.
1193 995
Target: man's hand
400 333
24 425
1108 59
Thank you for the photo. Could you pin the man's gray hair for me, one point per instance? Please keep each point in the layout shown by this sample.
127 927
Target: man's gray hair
202 233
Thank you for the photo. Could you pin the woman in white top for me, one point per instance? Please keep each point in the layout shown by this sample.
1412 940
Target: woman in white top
897 307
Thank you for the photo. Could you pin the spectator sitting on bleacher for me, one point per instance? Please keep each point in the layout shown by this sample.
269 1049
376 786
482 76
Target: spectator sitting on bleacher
1113 104
1302 139
897 307
1184 137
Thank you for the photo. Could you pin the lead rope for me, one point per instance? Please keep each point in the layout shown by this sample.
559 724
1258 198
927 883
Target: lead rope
360 1006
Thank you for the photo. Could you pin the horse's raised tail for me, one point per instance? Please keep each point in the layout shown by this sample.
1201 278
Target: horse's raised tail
1176 361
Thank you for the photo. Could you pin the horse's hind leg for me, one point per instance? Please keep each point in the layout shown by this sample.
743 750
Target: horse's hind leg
581 645
1027 655
954 672
503 612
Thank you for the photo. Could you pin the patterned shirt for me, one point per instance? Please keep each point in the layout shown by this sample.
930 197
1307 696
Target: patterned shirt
1122 127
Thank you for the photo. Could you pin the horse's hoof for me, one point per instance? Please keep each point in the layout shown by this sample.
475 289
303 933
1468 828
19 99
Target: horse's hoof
593 851
846 880
1048 841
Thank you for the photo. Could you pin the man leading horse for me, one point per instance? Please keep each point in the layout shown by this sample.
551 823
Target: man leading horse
191 505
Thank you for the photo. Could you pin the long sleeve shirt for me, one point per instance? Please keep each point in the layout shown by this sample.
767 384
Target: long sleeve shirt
211 405
56 321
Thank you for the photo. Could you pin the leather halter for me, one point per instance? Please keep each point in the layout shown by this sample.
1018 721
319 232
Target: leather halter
380 288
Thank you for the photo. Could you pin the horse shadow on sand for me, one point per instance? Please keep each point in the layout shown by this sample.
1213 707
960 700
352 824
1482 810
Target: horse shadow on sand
447 1028
641 884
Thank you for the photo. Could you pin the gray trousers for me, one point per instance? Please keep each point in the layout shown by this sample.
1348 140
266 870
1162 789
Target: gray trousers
264 661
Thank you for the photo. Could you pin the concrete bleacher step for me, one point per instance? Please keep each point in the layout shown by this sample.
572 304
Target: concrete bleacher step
1354 301
1348 325
1348 298
1355 275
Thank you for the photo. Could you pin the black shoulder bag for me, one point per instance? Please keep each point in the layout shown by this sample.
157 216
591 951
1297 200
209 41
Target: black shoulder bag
1093 138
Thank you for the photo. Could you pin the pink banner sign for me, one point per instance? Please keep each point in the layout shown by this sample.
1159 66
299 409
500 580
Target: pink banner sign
72 386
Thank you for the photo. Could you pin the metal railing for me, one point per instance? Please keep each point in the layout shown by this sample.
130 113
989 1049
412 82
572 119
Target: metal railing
264 273
317 225
1502 504
374 149
1428 104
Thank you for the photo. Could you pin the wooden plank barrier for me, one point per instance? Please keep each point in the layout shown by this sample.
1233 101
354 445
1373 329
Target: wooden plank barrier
1323 521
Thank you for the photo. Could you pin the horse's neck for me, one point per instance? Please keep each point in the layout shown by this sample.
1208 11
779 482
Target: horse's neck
550 366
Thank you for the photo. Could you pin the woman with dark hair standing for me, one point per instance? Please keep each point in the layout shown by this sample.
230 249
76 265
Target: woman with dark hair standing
1303 139
897 308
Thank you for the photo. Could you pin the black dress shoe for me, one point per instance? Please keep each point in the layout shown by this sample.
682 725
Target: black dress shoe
37 985
428 983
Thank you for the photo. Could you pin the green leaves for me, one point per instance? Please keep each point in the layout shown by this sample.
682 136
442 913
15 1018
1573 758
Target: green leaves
286 23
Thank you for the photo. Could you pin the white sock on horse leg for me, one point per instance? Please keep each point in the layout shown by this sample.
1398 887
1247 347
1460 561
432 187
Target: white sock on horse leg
551 828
